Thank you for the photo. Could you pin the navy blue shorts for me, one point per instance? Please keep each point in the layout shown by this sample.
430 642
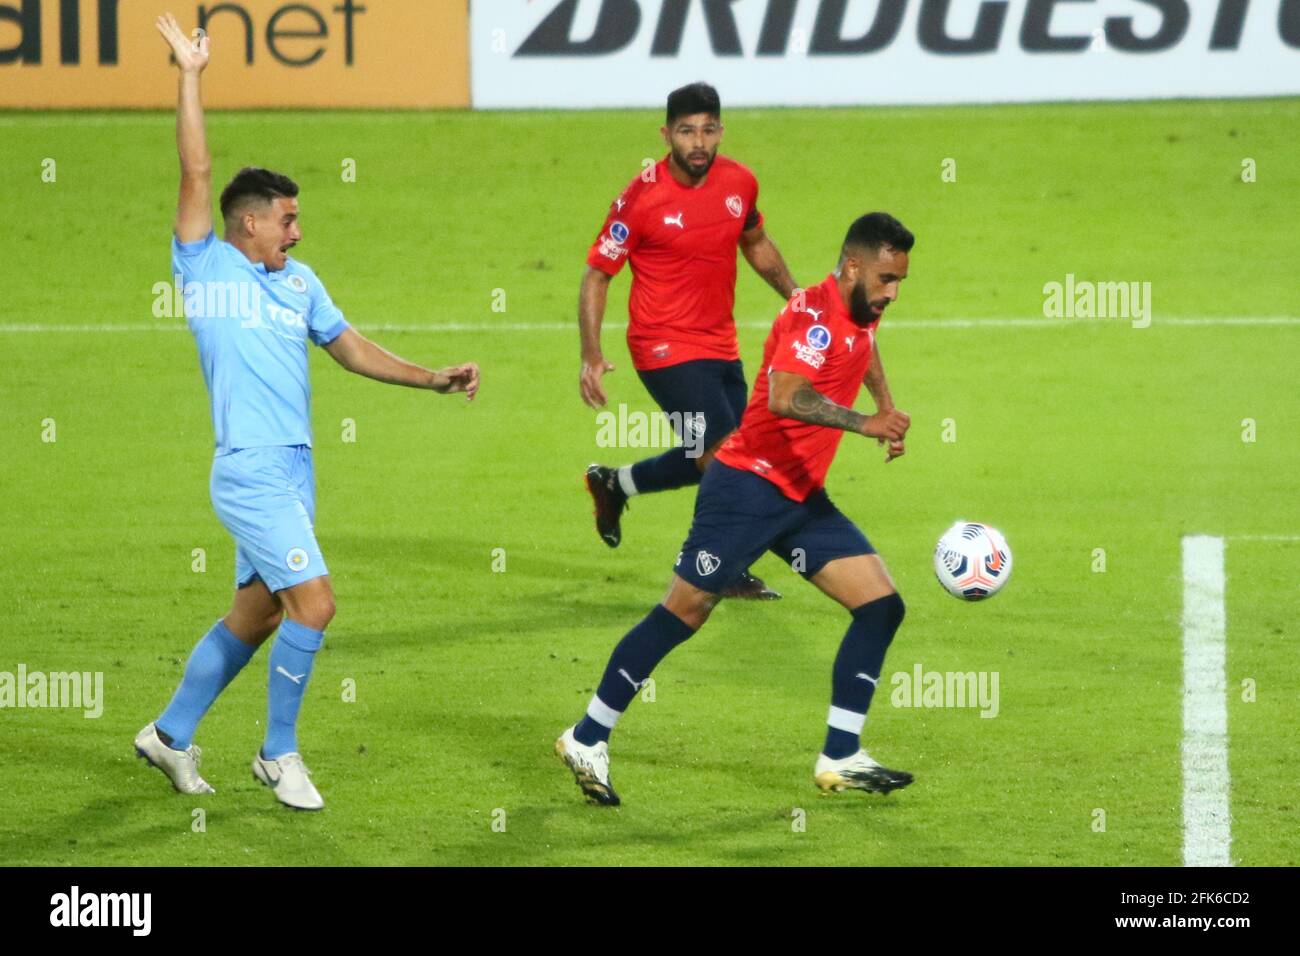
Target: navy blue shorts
739 515
712 388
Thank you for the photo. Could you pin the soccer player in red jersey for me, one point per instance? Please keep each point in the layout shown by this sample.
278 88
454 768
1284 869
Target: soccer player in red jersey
765 492
679 224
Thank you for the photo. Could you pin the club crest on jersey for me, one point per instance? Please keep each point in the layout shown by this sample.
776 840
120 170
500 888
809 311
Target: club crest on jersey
706 563
297 283
618 231
297 559
735 206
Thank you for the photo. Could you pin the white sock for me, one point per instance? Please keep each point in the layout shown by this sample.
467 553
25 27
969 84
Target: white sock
625 481
845 720
602 713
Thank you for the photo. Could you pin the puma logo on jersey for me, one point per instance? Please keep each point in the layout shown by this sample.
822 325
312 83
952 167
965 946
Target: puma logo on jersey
674 220
815 313
849 340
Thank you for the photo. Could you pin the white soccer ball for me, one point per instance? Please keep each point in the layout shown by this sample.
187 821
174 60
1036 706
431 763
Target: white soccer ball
972 561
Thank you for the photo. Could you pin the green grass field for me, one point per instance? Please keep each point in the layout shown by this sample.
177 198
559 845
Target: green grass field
1071 436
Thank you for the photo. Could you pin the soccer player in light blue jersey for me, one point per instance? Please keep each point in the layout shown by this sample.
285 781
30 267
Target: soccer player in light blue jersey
253 310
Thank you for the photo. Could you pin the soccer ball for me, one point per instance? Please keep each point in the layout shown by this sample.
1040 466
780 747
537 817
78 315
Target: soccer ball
972 561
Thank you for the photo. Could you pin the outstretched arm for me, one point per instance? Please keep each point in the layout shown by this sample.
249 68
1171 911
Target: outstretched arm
356 353
194 209
765 258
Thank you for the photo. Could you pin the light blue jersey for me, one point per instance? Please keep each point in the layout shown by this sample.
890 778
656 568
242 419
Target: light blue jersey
252 327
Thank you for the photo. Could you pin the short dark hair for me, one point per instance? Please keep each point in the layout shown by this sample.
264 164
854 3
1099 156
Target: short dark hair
255 181
692 99
877 229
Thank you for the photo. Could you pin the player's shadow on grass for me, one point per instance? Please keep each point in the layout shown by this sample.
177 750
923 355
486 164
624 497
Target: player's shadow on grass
127 814
677 810
559 829
119 828
148 824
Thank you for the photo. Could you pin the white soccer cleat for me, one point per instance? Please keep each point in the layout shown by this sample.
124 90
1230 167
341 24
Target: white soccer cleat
289 777
590 766
857 772
180 766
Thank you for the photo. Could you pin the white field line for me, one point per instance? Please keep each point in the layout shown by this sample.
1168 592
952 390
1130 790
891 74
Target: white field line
178 325
1263 537
1207 825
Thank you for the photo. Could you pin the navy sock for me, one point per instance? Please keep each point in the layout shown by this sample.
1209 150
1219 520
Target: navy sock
664 472
857 670
636 655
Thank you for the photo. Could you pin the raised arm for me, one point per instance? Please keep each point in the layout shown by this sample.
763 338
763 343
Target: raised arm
591 312
194 208
765 258
793 396
356 353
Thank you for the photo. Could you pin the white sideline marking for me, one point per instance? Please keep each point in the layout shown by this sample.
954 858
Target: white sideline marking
178 325
1263 537
1207 825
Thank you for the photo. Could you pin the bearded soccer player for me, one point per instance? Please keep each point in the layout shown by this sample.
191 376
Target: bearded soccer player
263 489
679 225
765 492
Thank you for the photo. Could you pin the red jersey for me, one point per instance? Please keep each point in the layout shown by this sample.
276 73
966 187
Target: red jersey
682 243
822 343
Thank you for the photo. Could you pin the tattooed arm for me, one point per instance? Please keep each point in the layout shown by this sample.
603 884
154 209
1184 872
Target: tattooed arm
793 396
